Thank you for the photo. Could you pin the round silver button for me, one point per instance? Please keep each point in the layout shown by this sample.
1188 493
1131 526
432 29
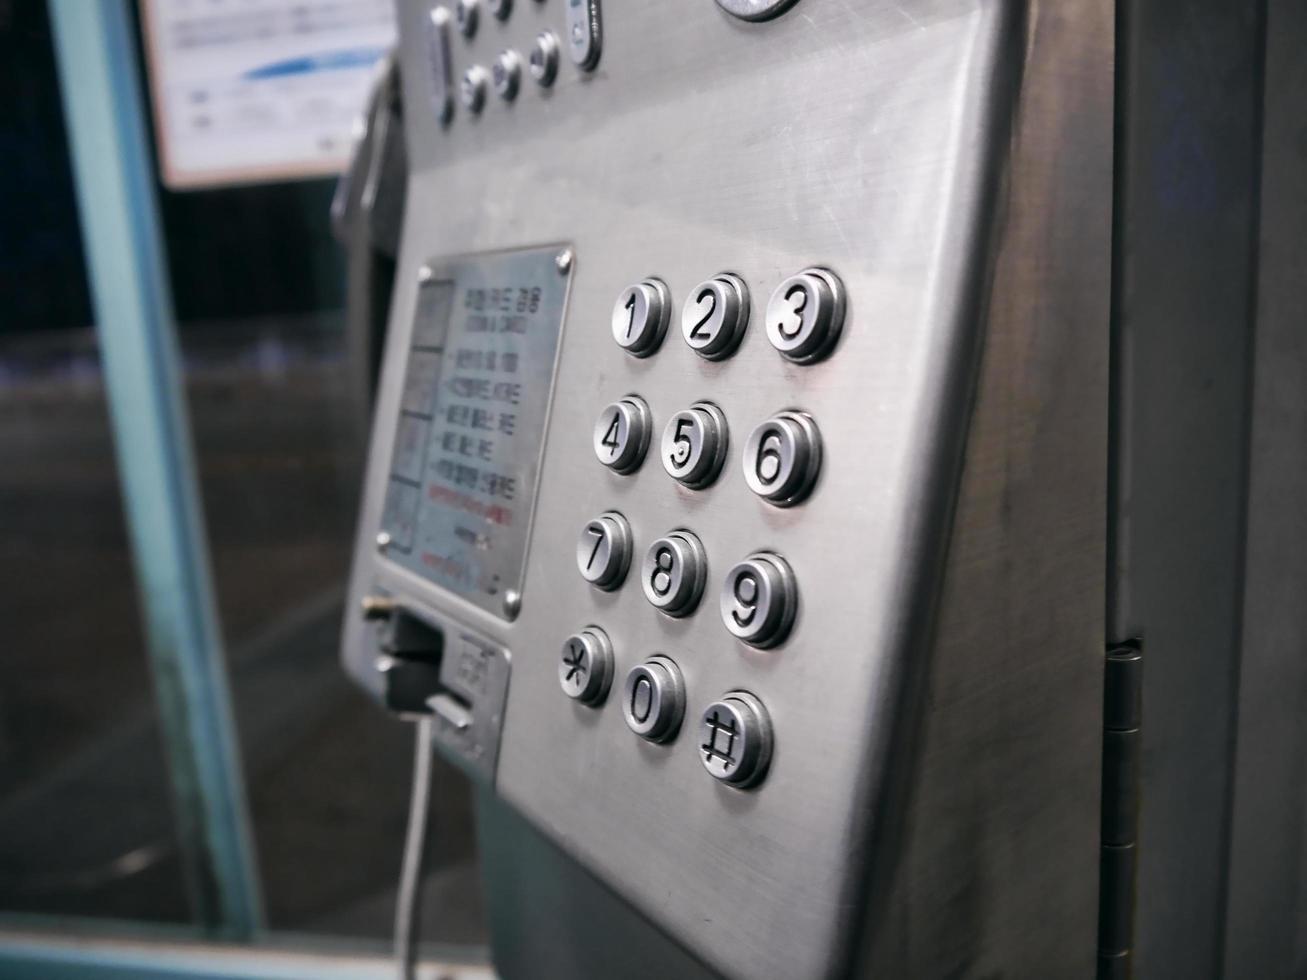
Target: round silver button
653 699
621 434
472 90
806 314
759 598
506 74
694 445
715 315
640 317
782 458
603 551
735 739
500 8
673 573
585 666
466 14
543 60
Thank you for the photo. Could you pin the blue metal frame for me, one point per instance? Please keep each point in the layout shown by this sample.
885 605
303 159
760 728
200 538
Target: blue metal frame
94 41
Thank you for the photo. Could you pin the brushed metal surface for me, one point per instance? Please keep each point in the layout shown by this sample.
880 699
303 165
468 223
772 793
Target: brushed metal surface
867 139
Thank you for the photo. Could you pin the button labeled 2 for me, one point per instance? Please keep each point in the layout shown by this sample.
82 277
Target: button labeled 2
694 445
603 552
621 435
783 457
759 598
715 316
673 573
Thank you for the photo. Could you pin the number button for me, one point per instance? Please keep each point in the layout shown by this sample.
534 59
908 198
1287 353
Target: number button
759 599
640 317
694 445
500 8
715 315
603 552
621 436
673 573
806 314
585 667
735 740
653 699
782 458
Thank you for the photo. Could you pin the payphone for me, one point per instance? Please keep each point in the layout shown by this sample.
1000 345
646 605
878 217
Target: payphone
735 495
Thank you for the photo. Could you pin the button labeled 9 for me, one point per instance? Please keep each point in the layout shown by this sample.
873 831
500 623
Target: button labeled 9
759 599
783 457
694 445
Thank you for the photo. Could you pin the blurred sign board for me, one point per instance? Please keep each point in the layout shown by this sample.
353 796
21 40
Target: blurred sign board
259 90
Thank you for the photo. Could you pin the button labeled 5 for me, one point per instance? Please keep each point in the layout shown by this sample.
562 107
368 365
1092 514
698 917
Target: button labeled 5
603 552
694 445
759 599
715 315
621 435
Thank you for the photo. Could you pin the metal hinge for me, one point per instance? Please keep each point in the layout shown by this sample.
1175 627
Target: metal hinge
1120 817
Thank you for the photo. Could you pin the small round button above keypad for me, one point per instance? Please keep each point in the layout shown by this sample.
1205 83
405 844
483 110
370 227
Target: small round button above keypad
622 433
653 699
640 317
758 600
735 740
782 458
585 666
603 551
806 314
715 316
694 445
673 573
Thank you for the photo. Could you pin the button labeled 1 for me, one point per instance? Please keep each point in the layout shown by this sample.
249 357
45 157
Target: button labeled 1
783 457
735 739
673 573
715 316
640 317
759 599
653 699
585 667
621 436
694 445
603 552
806 314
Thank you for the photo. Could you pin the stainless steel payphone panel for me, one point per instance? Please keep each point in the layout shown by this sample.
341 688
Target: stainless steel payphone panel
671 423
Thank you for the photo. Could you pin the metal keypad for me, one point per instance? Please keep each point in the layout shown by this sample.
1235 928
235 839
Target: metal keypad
694 445
640 317
653 699
622 433
673 573
759 599
782 458
715 316
585 666
806 314
603 551
735 739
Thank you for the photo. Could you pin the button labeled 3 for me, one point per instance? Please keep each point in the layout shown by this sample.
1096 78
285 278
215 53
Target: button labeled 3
759 599
715 316
640 317
806 314
603 552
735 739
694 445
783 457
585 667
653 699
673 573
621 436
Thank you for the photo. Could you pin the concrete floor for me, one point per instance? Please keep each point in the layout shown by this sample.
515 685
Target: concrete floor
85 820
